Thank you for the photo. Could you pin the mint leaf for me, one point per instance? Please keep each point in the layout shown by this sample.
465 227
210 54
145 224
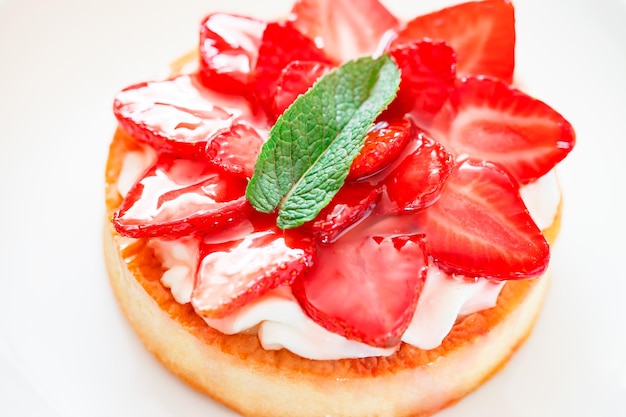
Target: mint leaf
310 149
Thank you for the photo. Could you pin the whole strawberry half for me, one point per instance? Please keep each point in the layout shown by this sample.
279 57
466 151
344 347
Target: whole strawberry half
281 44
352 203
344 29
176 116
480 226
229 47
236 149
176 197
365 287
418 179
383 143
232 274
490 120
428 76
481 32
295 79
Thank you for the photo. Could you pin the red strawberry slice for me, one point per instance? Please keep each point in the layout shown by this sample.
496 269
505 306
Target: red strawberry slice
481 32
488 119
281 44
383 143
365 287
237 149
177 116
295 79
176 197
235 273
229 46
344 30
417 181
428 76
352 203
481 227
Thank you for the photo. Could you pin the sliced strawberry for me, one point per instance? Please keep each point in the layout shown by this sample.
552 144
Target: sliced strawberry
383 143
229 47
234 273
176 197
481 32
428 76
417 181
295 79
352 203
343 29
281 44
365 287
488 119
176 116
481 227
237 149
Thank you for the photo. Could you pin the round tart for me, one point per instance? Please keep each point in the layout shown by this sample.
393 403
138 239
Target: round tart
466 135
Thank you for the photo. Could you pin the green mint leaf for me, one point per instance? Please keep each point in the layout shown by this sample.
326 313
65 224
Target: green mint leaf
310 149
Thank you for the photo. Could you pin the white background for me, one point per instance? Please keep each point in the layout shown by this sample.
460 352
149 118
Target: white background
66 350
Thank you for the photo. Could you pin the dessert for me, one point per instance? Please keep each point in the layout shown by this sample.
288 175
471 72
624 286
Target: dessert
337 213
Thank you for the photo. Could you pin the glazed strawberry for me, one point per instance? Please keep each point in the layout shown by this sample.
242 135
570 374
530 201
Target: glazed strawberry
176 116
417 181
234 273
480 226
176 197
352 203
229 48
343 30
237 149
383 143
365 287
481 32
295 79
488 119
281 45
428 75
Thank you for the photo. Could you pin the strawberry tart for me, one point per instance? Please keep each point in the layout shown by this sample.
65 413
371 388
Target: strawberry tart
340 212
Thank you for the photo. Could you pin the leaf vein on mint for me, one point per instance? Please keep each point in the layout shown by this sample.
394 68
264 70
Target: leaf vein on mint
308 154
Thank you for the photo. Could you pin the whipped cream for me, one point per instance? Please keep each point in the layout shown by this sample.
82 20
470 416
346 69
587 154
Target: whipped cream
133 165
278 319
542 199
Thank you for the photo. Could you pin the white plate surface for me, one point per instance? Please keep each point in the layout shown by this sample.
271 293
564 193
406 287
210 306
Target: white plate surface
65 348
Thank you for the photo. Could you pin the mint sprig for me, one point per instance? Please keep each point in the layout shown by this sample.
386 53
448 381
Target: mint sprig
310 149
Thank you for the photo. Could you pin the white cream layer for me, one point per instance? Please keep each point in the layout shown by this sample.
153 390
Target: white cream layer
280 322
